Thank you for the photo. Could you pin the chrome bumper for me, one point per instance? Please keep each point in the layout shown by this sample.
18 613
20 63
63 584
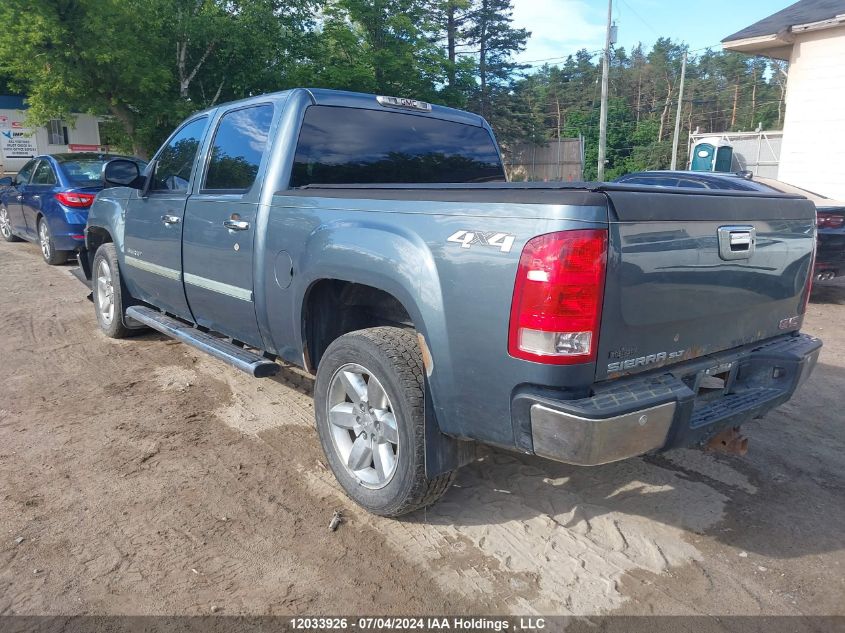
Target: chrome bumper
661 410
575 440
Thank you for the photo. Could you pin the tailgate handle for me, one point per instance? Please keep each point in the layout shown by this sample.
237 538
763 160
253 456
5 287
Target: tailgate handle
736 242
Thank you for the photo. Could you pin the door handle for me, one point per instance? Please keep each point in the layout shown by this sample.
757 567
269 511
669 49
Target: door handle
236 225
171 219
36 197
20 198
736 242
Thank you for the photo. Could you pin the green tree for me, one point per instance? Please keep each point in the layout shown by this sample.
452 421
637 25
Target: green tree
94 56
497 41
390 45
147 63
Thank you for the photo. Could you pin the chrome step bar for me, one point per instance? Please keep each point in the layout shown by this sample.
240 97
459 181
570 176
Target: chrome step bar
248 362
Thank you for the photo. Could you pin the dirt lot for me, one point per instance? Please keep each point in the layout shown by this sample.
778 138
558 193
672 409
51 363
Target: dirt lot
145 478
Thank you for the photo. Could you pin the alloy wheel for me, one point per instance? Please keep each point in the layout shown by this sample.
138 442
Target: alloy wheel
105 291
363 425
44 239
5 223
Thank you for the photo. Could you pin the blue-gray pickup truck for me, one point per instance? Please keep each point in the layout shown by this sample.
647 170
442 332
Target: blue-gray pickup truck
375 242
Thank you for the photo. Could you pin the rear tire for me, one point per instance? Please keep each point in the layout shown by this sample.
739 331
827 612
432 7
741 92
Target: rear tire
108 292
6 226
48 248
369 401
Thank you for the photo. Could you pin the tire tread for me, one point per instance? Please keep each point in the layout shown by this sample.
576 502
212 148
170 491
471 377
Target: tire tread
401 347
116 329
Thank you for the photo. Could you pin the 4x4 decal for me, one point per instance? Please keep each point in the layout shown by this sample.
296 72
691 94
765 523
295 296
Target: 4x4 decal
502 241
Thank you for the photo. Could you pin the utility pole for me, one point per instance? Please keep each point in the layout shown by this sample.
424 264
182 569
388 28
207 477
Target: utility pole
605 71
678 114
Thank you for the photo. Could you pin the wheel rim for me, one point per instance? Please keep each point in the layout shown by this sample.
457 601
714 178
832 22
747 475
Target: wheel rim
44 238
105 292
5 224
363 425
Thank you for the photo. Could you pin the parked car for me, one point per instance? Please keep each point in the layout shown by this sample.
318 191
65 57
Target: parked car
691 180
830 221
48 200
830 253
375 242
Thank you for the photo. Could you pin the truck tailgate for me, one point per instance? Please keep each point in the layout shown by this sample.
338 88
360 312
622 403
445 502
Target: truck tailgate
692 274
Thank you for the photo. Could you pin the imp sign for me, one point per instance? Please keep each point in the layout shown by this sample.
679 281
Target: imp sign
17 143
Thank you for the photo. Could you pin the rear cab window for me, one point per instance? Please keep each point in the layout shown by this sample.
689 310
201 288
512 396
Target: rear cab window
340 145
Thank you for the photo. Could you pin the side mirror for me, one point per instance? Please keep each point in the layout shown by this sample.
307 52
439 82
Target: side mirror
121 173
6 182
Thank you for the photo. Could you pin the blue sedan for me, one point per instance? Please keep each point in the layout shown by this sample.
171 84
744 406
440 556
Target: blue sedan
47 202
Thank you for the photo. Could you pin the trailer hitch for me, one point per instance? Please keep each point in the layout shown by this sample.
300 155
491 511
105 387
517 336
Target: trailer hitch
729 441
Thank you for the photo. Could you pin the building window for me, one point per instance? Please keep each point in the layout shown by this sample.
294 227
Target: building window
56 133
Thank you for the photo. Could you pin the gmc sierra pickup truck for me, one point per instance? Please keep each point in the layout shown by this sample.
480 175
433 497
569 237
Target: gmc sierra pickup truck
375 242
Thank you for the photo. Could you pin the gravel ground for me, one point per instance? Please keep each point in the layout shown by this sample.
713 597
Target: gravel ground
141 477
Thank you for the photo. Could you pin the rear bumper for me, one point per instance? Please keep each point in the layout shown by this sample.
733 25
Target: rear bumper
682 406
68 237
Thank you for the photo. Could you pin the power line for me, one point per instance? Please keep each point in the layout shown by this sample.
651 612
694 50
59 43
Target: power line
639 17
562 57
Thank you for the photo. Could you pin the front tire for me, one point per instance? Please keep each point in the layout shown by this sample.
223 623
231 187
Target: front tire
109 293
369 400
48 248
6 226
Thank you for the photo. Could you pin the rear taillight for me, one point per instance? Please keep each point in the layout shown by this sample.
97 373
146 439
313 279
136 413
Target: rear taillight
76 200
831 220
557 298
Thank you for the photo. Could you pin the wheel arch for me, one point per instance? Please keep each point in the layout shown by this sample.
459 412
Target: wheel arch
332 307
95 236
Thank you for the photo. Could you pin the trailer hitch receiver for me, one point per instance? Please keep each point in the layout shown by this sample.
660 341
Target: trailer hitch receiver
729 441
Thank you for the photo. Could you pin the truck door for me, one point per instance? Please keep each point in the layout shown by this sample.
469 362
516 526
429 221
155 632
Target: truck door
153 236
219 234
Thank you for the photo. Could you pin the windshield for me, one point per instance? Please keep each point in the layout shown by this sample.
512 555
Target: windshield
357 146
87 172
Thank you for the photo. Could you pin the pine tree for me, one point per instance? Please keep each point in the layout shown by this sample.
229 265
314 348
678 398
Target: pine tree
497 41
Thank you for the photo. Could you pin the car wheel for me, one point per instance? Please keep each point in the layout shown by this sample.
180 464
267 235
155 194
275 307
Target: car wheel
369 401
48 249
109 293
6 226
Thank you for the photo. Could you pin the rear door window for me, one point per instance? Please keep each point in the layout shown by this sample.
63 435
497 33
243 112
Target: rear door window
239 143
353 145
691 184
44 174
653 181
175 161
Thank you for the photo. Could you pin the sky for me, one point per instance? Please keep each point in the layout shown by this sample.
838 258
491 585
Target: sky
561 27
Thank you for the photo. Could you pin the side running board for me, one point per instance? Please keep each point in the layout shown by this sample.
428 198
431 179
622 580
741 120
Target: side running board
249 362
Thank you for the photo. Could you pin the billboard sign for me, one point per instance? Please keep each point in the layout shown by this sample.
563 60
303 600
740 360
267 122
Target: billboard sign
17 143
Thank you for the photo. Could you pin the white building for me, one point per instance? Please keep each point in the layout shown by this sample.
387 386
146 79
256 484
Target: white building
810 34
19 143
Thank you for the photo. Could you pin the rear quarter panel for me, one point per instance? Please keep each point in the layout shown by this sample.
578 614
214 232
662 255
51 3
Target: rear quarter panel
459 298
108 213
